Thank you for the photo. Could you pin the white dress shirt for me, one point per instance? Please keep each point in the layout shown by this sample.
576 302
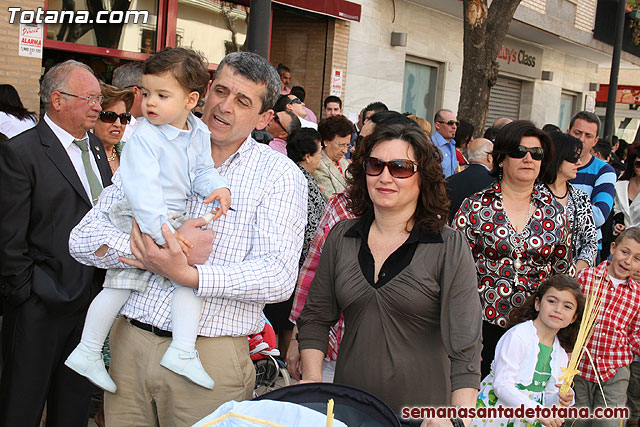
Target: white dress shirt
75 154
255 253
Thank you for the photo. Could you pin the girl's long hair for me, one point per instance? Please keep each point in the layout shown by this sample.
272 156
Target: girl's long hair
562 282
11 104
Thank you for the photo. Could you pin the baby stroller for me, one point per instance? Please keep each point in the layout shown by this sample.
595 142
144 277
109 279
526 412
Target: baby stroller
354 407
271 370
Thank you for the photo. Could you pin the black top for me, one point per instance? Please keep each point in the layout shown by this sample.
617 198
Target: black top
397 261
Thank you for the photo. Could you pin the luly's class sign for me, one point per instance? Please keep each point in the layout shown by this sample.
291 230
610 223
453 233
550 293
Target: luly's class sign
520 58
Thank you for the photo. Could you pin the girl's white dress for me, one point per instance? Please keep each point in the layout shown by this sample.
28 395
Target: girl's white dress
524 372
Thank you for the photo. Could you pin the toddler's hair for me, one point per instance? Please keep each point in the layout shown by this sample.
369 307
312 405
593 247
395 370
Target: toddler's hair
188 66
562 282
629 233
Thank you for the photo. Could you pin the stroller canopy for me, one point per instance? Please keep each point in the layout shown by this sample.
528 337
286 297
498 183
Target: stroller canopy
265 413
354 407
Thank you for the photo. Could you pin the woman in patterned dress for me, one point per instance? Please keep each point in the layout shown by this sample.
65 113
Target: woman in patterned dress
577 205
518 233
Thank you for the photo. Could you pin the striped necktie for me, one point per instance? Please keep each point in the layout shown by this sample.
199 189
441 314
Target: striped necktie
94 183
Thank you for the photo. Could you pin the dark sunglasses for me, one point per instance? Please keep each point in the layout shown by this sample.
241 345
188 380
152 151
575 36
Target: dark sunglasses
277 120
636 164
399 168
294 101
573 157
537 153
450 122
111 117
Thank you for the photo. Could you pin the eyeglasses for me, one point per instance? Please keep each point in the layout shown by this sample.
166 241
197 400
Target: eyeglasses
294 101
91 100
398 168
277 120
574 157
449 122
636 164
537 153
111 117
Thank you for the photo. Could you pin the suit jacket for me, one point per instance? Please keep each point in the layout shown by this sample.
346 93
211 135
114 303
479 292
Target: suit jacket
328 176
42 199
466 183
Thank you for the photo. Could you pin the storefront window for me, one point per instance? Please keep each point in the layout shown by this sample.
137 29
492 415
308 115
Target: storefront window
419 89
213 27
122 33
567 109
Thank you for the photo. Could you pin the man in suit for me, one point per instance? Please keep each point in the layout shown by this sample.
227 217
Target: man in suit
50 176
474 178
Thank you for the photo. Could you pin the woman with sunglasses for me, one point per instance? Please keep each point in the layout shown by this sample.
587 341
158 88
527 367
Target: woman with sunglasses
577 205
404 282
627 202
113 120
518 232
336 134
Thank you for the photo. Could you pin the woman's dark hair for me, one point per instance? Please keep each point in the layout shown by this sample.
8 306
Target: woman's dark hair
432 210
188 66
464 133
633 153
621 152
508 139
387 117
334 126
565 146
11 104
301 142
113 94
562 282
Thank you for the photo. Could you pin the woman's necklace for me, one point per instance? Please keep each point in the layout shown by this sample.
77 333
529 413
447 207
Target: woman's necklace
113 156
559 197
519 249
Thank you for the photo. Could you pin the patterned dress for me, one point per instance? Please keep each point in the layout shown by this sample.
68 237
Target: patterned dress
510 265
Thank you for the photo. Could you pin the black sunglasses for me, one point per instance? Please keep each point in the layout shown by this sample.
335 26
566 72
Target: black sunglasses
636 164
398 168
573 157
537 153
277 120
111 117
294 101
450 122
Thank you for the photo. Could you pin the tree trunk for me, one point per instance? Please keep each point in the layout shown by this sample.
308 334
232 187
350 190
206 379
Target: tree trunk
484 31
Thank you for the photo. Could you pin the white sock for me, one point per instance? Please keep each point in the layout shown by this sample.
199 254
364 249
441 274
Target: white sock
101 315
185 316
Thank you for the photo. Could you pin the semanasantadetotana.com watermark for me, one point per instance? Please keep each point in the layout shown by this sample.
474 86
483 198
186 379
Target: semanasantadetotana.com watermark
41 16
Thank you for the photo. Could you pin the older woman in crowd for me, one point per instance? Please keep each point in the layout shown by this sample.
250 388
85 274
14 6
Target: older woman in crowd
518 233
403 280
627 202
577 205
336 135
303 147
113 120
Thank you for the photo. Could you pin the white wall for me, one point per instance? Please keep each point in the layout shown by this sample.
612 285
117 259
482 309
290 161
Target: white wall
375 69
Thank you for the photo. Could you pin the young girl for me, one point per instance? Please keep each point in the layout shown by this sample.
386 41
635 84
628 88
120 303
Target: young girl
529 356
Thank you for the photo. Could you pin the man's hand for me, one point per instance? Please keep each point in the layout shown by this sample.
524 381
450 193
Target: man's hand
222 195
201 240
169 262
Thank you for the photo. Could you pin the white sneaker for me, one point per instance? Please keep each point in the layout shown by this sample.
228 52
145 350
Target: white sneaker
187 364
89 364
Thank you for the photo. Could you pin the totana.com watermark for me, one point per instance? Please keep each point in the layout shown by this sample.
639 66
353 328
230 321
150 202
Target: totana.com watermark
41 16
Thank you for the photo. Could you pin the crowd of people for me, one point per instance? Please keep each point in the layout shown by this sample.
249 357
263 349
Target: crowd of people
455 266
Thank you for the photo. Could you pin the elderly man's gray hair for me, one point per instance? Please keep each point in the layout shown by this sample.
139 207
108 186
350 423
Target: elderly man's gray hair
257 69
128 75
478 149
57 78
